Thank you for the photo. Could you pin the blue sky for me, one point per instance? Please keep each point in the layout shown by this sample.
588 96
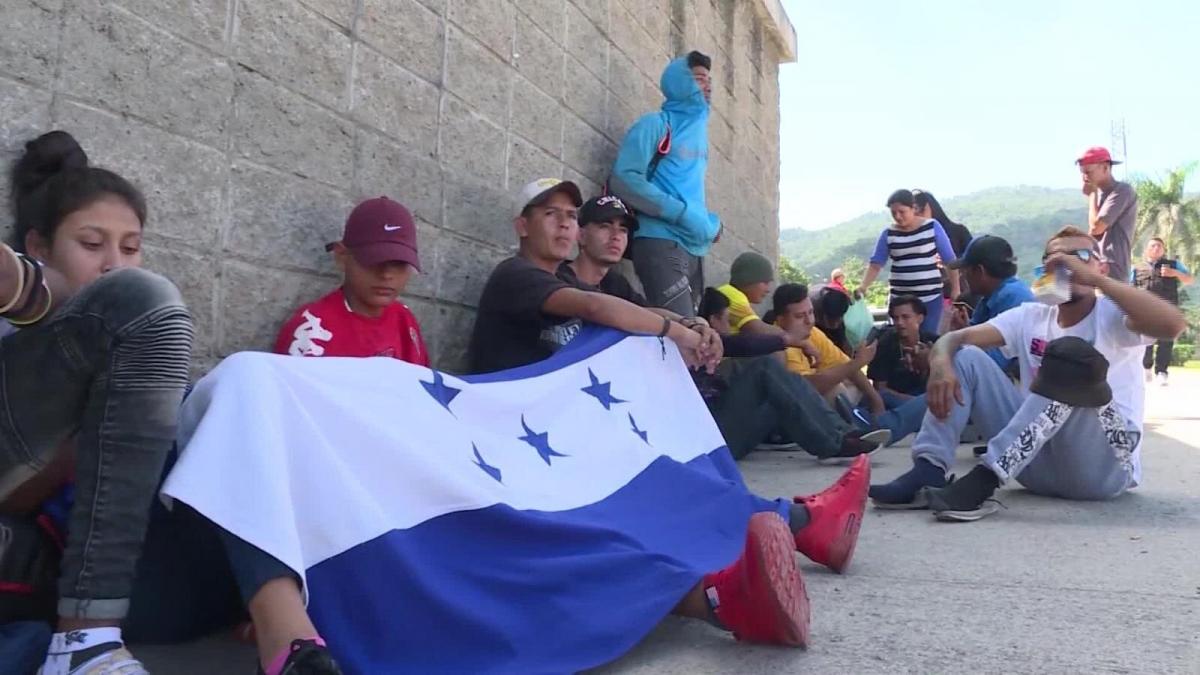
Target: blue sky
955 96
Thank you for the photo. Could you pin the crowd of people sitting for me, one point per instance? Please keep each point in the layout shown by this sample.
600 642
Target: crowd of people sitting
97 362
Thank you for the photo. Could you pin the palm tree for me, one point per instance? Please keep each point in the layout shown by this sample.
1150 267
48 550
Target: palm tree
1164 211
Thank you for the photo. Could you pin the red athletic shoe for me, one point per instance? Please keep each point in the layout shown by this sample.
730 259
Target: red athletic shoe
761 596
835 516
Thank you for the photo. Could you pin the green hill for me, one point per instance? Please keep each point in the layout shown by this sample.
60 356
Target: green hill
1023 215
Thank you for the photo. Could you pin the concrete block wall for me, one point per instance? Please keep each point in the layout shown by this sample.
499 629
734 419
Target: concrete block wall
254 126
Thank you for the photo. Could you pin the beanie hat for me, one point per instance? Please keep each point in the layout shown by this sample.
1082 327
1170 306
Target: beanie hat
750 268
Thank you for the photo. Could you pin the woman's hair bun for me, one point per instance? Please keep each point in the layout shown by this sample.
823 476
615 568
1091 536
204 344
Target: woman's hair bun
46 156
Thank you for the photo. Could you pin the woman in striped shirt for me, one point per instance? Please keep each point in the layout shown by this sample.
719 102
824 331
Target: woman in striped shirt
916 247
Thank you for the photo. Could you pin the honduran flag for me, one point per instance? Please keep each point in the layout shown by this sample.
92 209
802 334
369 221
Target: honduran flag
537 520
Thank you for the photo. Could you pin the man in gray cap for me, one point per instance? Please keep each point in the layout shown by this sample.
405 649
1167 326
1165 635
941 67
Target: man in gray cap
1073 428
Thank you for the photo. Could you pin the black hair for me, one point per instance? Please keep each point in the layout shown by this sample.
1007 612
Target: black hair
904 197
829 305
695 59
921 199
712 303
52 180
785 296
913 301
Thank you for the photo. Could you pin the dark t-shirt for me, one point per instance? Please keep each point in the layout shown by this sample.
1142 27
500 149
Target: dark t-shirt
613 284
510 328
888 365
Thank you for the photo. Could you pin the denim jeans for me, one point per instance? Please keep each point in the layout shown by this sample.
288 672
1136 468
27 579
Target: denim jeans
109 366
763 397
671 277
903 419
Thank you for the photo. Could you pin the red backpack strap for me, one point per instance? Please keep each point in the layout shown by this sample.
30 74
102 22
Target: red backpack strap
664 143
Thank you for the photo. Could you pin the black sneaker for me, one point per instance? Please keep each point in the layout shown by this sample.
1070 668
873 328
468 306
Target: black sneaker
966 500
308 658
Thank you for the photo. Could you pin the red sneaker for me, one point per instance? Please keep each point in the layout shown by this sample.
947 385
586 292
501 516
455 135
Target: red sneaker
761 596
835 516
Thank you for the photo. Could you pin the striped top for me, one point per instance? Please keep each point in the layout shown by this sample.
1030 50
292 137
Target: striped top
914 257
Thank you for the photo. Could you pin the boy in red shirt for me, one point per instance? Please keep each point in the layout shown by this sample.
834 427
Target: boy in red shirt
377 255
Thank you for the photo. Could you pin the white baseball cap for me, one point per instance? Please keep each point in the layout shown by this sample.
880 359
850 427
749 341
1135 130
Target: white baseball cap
535 193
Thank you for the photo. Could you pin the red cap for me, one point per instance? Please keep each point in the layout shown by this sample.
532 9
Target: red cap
380 230
1096 155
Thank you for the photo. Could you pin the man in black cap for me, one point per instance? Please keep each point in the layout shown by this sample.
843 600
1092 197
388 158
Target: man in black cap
1074 426
990 269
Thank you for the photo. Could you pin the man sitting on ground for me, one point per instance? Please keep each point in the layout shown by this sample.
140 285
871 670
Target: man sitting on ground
522 316
991 270
901 363
1074 428
827 368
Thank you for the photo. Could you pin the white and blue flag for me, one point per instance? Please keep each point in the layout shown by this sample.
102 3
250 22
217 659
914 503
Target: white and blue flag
537 520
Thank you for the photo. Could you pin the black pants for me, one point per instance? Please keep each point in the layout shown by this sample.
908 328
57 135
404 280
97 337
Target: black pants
1162 359
762 397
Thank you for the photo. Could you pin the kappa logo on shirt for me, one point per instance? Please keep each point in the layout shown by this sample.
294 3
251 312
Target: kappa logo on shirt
306 335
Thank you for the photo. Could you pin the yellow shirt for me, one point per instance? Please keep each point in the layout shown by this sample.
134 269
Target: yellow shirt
741 312
828 355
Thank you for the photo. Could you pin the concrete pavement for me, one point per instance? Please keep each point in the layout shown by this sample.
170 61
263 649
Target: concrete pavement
1044 586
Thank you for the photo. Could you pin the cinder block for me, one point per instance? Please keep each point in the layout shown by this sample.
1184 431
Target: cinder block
585 94
547 14
630 84
340 12
295 46
31 32
395 101
274 126
465 268
538 57
654 16
481 210
24 115
586 43
478 77
471 143
196 276
407 32
454 328
255 300
490 22
526 159
429 247
587 186
385 168
427 318
619 118
200 20
537 116
123 63
598 11
283 220
586 150
183 180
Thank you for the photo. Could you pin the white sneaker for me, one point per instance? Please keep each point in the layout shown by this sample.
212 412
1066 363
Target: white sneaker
116 662
1149 376
1162 379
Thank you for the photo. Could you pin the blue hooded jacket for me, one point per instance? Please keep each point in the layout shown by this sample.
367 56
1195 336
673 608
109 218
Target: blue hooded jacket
670 205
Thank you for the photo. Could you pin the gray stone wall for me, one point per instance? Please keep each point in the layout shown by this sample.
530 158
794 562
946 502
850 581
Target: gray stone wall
253 126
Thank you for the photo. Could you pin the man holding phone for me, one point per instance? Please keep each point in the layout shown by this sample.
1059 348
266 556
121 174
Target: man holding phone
901 363
1161 276
1112 209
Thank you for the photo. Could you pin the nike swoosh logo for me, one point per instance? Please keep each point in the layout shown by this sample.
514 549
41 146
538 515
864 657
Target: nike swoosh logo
392 228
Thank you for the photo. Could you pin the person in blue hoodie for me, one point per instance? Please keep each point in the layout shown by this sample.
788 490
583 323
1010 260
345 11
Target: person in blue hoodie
659 172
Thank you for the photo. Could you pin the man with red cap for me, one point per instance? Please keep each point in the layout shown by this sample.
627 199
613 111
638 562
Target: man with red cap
377 255
1112 209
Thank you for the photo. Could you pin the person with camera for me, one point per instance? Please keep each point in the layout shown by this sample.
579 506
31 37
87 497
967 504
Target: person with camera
1161 276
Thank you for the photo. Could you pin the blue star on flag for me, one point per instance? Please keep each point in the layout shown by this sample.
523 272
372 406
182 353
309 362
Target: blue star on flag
484 466
602 391
440 391
539 442
644 435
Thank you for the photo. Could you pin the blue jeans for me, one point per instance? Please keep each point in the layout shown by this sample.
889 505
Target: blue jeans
109 366
933 316
903 419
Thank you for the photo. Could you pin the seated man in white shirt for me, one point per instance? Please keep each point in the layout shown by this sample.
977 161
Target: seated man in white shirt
1072 439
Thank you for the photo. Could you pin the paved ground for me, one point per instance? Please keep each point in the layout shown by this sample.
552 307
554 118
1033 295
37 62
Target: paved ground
1045 586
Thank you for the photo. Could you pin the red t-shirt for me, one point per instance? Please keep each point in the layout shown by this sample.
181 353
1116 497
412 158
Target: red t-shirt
327 327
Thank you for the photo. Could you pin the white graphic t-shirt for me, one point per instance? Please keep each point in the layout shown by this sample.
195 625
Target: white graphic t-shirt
1028 328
